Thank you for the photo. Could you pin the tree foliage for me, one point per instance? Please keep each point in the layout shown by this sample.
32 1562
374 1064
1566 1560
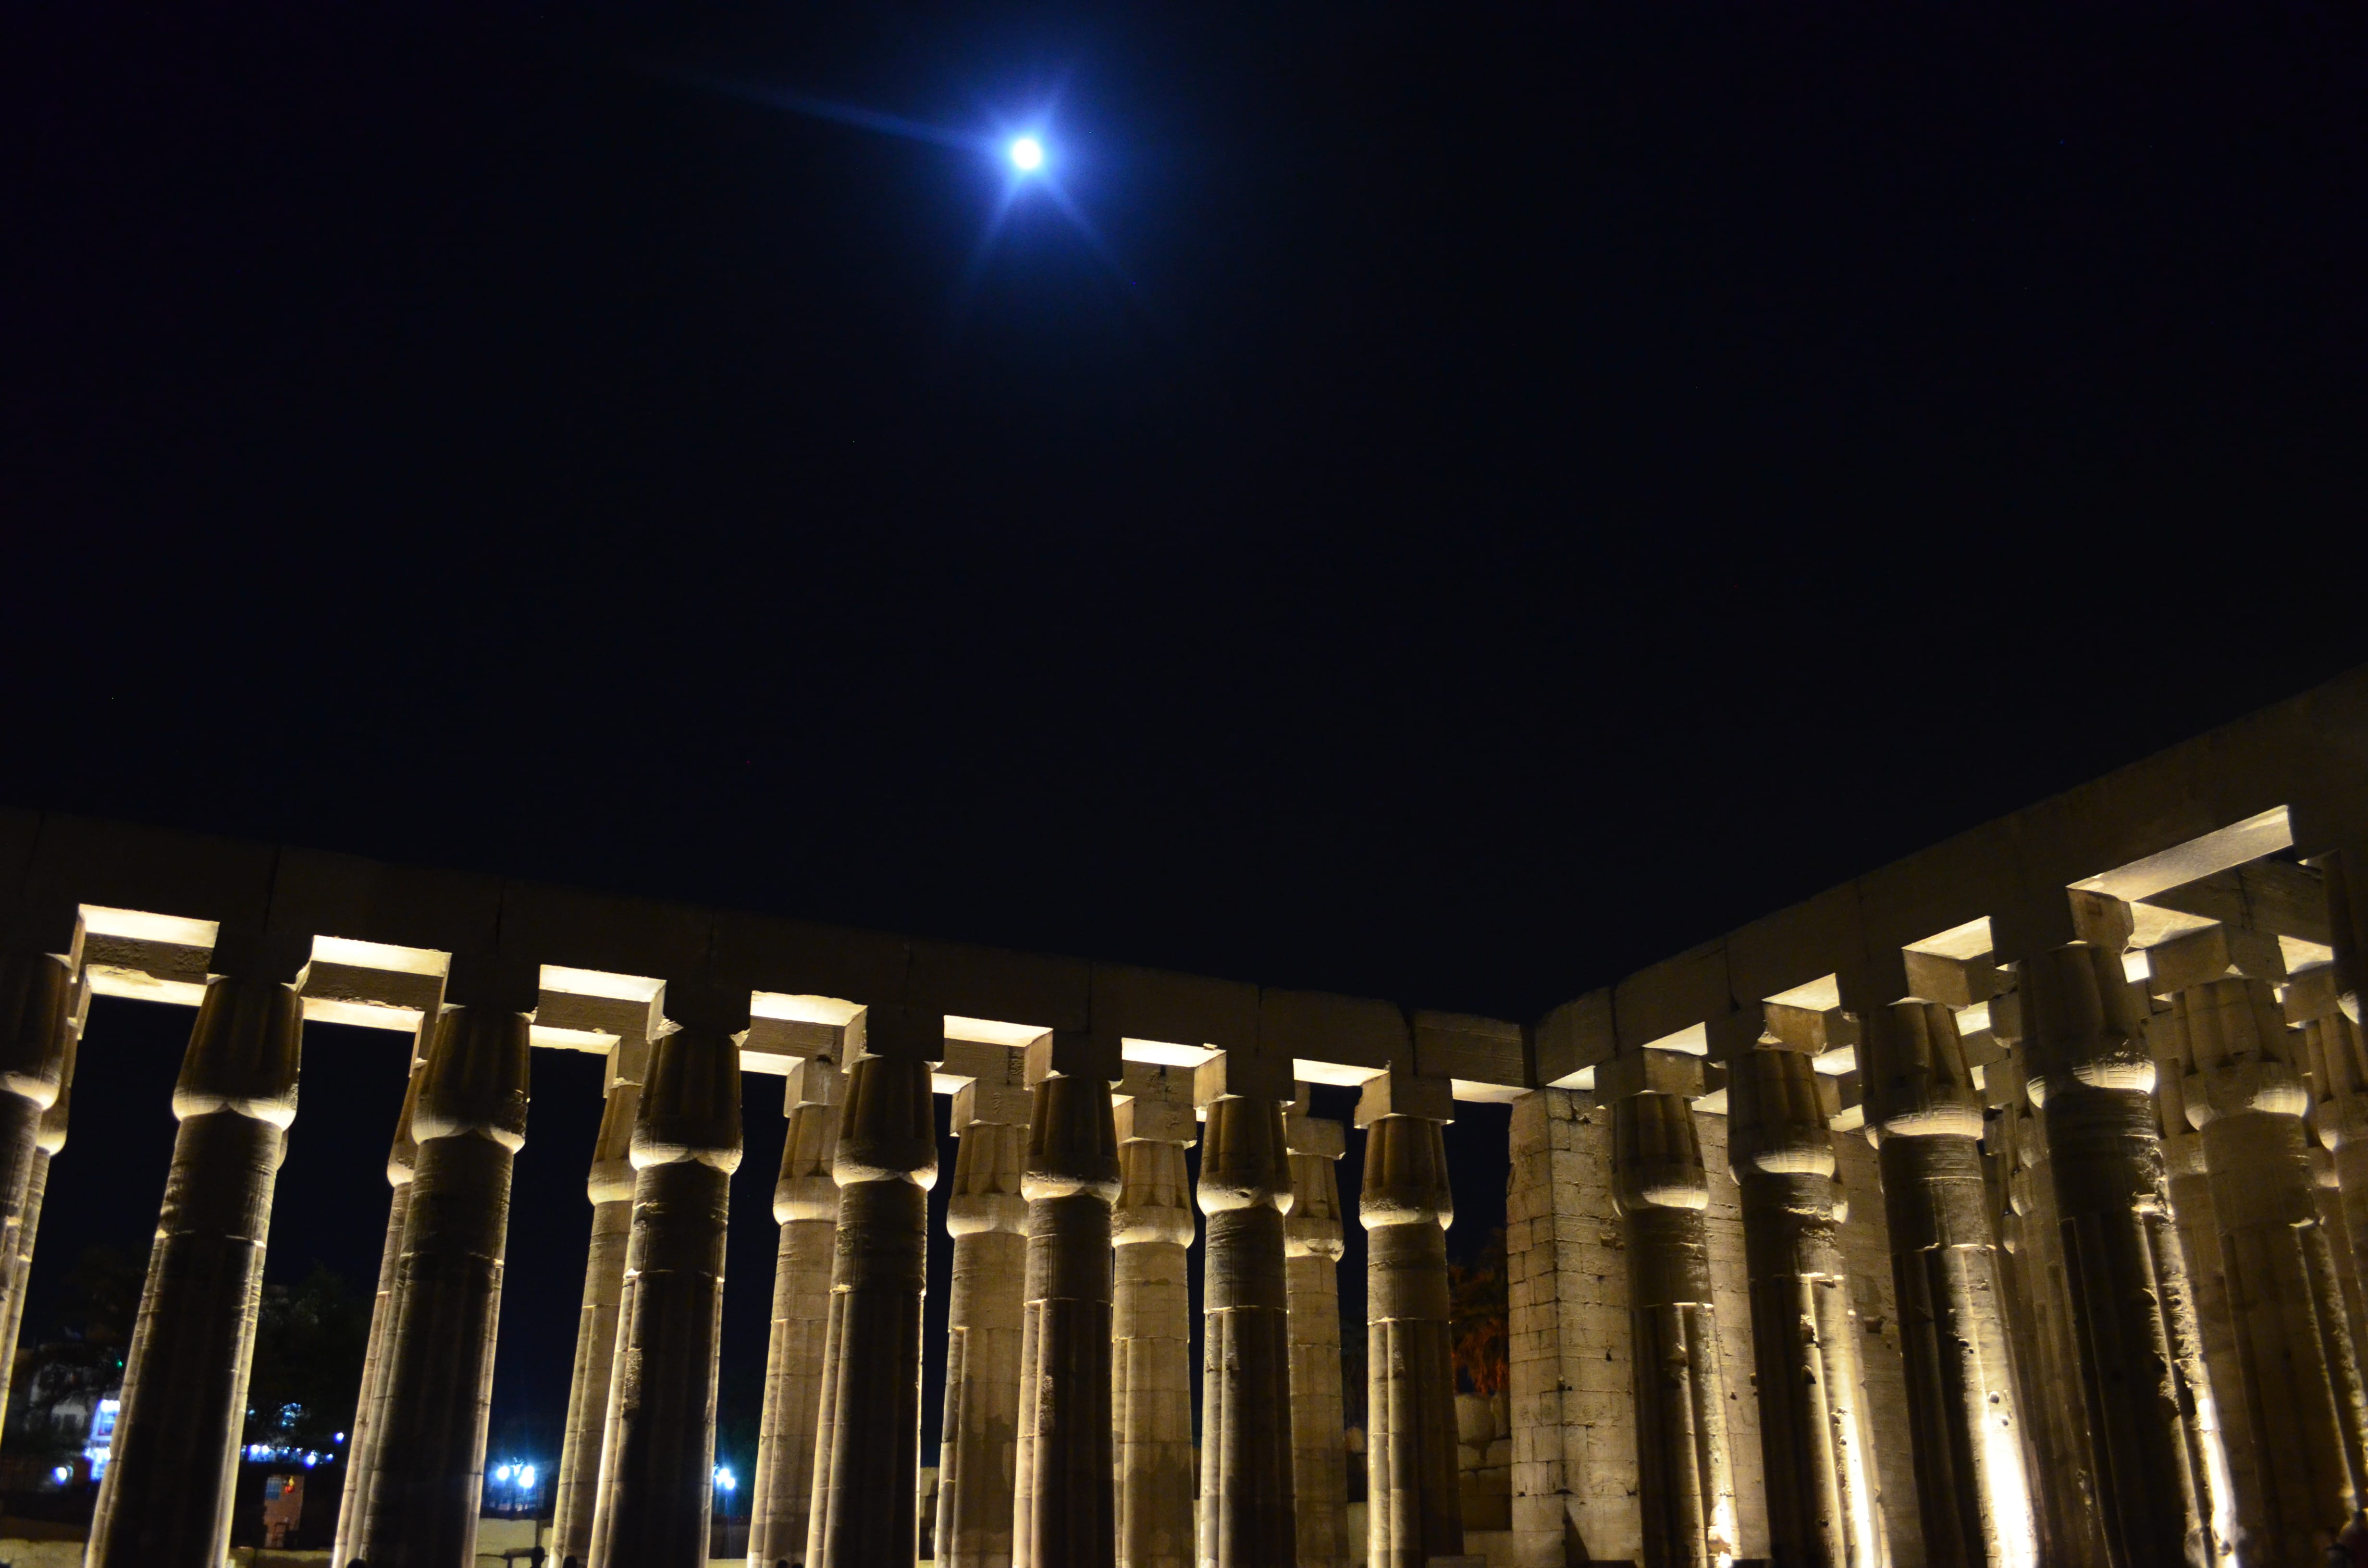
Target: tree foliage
1476 1311
309 1343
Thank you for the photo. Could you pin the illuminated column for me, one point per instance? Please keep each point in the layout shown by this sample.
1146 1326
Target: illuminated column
1972 1489
610 1184
1247 1519
1414 1510
2149 1401
1062 1513
370 1402
1686 1489
805 1205
2338 1077
1822 1505
2307 1419
1151 1365
867 1452
657 1463
166 1498
47 1142
987 1214
38 1005
1313 1243
470 1120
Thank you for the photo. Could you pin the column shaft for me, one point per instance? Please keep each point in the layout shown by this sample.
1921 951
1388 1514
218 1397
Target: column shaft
657 1463
37 1007
47 1143
1313 1244
867 1452
2297 1380
2141 1356
987 1216
370 1400
610 1186
1972 1489
1151 1366
1822 1496
1685 1490
1063 1503
1246 1518
805 1205
1414 1510
420 1511
166 1502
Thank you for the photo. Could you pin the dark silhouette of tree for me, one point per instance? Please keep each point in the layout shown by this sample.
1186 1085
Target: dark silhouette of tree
309 1343
1476 1312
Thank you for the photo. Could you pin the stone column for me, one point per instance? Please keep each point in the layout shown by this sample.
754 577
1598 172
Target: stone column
1312 1244
1151 1360
1823 1508
2141 1353
1064 1505
987 1214
867 1453
805 1205
1414 1509
47 1143
369 1401
610 1186
2339 1078
38 1005
2301 1390
1685 1487
1574 1401
166 1502
1973 1491
1247 1519
657 1463
420 1510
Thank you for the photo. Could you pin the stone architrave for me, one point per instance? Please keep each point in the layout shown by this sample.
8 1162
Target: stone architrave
1150 1361
470 1121
2150 1413
1686 1489
657 1463
2305 1410
1247 1519
1823 1503
1312 1241
869 1439
1064 1507
37 1011
1973 1491
166 1502
1414 1510
610 1186
805 1205
370 1400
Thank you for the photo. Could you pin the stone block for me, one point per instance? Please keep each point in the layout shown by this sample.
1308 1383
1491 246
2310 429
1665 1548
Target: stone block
1401 1093
1243 1073
1460 1045
1655 1071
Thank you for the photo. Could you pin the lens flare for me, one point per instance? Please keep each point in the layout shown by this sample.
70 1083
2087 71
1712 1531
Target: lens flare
1027 155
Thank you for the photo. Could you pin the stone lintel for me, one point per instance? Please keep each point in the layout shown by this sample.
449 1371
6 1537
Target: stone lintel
1405 1093
1649 1072
1461 1045
1319 1026
1241 1073
1073 1053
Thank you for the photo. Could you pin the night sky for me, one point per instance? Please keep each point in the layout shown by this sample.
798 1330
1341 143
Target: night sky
1464 501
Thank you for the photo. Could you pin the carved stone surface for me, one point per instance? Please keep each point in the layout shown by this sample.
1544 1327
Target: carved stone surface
1247 1517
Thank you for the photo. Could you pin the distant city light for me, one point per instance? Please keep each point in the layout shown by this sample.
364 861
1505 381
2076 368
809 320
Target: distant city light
338 1439
501 1472
526 1476
724 1480
62 1474
1027 155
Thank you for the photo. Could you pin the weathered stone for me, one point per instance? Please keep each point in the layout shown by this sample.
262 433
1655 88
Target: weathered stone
1246 1518
868 1439
1685 1486
1821 1489
805 1205
987 1214
657 1463
1063 1507
420 1510
1413 1507
166 1498
36 1010
1312 1241
369 1401
610 1186
1150 1368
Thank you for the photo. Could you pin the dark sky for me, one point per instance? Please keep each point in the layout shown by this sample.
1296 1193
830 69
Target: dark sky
1510 492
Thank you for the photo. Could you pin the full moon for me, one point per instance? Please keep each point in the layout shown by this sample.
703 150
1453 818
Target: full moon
1027 155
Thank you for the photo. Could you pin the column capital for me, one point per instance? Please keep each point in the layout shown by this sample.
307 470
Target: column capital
1397 1092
